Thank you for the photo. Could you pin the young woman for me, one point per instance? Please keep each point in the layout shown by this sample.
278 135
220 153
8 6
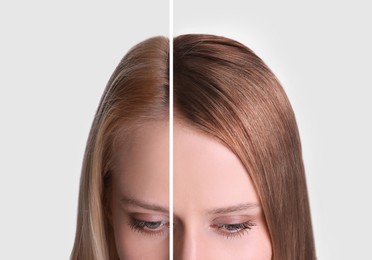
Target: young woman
239 183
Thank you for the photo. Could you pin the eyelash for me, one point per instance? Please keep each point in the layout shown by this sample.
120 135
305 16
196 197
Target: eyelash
148 227
227 230
234 230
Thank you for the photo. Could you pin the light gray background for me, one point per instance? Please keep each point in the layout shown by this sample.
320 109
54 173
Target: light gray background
321 53
55 60
56 57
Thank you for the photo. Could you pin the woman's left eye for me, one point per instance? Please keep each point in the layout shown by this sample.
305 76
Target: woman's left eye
232 230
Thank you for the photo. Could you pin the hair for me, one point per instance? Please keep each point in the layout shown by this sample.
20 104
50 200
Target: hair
137 91
222 89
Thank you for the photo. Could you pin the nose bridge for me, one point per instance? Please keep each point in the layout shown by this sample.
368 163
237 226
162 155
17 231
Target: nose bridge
187 244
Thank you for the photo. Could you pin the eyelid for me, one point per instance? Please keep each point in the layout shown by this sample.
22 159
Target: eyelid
152 226
233 226
149 217
145 223
233 219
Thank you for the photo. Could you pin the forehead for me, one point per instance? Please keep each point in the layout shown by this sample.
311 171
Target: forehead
207 174
141 164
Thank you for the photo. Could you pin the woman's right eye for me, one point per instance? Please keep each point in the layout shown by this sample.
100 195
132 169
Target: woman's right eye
149 227
152 225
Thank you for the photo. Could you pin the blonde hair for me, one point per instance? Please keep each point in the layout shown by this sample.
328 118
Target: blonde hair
223 89
137 91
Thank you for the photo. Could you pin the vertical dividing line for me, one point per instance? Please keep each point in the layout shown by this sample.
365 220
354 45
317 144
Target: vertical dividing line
171 129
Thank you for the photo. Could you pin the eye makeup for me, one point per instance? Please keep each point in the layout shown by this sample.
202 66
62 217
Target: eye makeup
233 226
234 230
149 224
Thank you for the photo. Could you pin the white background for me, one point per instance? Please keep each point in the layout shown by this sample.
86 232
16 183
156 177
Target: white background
55 60
321 51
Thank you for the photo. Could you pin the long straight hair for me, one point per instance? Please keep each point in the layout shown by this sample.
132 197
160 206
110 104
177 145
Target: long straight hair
222 89
137 91
225 90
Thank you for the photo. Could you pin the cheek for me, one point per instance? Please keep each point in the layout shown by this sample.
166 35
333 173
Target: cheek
206 244
254 245
132 244
258 246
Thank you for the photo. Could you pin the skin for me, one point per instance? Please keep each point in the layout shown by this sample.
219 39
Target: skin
140 194
217 213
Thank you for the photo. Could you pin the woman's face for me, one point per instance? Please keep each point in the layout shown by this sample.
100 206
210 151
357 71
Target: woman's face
217 213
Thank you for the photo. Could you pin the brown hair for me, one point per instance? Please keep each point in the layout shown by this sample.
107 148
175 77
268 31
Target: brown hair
223 89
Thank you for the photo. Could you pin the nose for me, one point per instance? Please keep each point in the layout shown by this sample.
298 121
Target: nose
186 245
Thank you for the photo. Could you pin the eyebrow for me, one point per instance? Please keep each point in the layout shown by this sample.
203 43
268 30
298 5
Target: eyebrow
138 203
234 208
